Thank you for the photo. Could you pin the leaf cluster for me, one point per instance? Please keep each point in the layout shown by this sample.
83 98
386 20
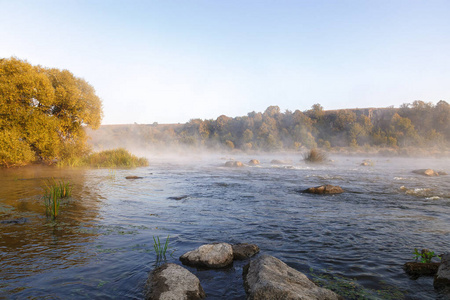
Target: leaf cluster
424 256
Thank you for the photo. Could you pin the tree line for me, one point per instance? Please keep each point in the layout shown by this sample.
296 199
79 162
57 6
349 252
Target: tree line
417 124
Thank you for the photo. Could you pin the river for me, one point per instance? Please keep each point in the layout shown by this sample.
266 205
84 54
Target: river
101 244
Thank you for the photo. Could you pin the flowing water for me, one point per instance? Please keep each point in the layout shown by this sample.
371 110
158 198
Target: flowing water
101 244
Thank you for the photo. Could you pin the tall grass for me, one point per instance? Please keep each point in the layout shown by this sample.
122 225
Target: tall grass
53 192
116 158
315 156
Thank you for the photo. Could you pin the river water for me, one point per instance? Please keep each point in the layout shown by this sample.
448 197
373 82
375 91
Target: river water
100 246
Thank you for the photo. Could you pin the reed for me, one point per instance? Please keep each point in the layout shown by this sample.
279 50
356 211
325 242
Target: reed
315 156
53 192
160 249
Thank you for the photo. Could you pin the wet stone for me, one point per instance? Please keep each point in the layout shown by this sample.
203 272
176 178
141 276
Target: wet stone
442 278
243 251
324 189
426 172
254 162
234 164
418 268
15 221
268 277
214 256
133 177
173 282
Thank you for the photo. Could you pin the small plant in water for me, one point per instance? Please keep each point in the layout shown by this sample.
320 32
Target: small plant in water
161 249
53 192
424 256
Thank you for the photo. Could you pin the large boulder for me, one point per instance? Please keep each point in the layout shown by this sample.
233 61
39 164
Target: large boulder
171 281
244 251
269 278
325 189
442 278
214 256
234 164
426 172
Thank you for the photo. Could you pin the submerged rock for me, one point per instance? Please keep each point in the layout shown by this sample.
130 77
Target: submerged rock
367 163
426 172
15 221
324 189
281 162
171 281
442 278
213 256
268 277
133 177
234 164
254 162
244 251
178 197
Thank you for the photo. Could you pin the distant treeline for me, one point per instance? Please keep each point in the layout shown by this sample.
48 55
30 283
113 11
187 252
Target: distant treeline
417 124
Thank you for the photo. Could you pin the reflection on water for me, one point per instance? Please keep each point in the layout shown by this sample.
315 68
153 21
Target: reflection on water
101 243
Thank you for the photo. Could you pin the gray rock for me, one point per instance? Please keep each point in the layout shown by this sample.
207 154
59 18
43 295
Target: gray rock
325 189
269 278
244 251
442 278
173 282
234 164
426 172
214 256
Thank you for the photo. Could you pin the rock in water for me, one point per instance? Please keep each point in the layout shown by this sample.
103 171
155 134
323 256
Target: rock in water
325 189
244 251
234 164
281 162
15 221
419 268
133 177
254 162
171 281
442 278
268 277
426 172
209 256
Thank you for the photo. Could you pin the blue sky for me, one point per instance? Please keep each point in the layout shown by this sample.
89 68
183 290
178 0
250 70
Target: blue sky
172 61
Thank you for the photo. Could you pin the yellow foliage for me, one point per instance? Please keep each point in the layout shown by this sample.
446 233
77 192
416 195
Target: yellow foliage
45 110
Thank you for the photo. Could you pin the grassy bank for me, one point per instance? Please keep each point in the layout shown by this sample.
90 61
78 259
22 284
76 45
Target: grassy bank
116 158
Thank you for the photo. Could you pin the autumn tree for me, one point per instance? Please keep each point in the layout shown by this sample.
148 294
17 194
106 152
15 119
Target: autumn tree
43 113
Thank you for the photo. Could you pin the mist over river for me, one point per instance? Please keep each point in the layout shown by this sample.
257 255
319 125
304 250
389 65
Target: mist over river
101 244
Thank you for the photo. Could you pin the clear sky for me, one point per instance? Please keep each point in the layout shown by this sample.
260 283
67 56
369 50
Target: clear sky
171 61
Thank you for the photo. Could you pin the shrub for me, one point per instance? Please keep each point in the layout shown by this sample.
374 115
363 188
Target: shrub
115 158
314 156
